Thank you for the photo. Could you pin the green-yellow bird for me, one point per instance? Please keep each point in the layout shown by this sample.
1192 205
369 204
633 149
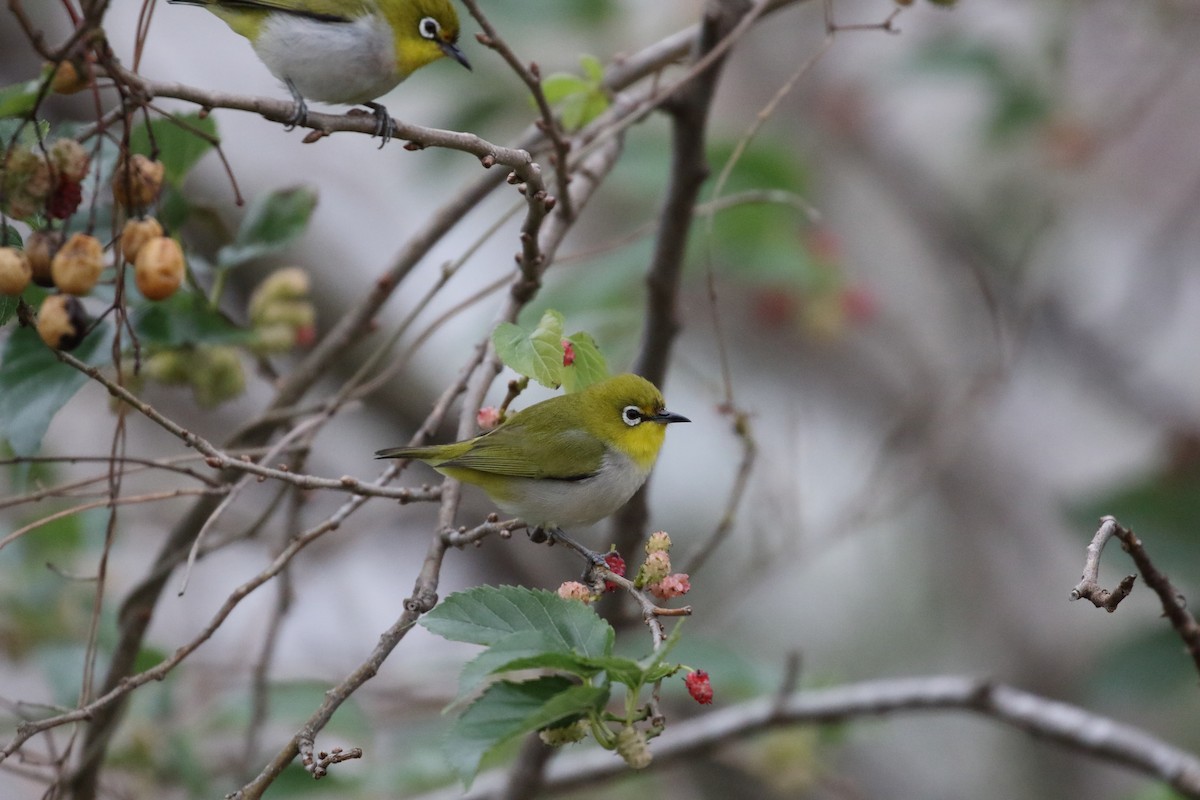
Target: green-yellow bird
567 461
345 52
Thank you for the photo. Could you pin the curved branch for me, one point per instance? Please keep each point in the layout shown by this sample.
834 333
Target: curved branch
1173 602
1102 738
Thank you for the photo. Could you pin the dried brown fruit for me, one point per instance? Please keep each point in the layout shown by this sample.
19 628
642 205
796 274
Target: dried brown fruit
77 265
136 233
70 159
137 181
62 322
15 272
40 247
158 269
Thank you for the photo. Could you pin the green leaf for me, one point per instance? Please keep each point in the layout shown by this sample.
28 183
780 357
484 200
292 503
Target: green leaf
513 647
561 85
579 100
488 614
507 710
593 69
183 319
34 385
178 141
539 354
581 108
8 308
621 670
272 222
19 99
10 236
589 366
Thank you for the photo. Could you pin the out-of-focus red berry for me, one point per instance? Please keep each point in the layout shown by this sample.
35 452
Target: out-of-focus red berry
699 687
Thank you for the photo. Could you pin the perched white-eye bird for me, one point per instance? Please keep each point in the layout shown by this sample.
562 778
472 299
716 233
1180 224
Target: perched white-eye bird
570 460
346 52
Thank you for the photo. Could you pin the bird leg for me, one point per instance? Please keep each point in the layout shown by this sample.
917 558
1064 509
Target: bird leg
556 535
383 123
299 115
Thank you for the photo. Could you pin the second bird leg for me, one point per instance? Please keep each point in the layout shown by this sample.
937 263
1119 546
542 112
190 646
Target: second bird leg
299 115
556 535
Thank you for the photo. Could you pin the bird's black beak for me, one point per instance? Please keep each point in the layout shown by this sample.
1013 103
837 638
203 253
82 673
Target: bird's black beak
667 417
451 50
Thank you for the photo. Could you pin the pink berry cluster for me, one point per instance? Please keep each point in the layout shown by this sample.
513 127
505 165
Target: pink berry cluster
655 573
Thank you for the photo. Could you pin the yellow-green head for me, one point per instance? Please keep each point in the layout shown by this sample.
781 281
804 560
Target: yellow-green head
425 31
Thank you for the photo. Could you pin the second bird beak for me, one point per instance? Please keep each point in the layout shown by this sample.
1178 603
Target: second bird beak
451 50
666 417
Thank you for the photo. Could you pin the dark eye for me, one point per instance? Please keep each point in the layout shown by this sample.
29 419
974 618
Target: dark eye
429 28
631 415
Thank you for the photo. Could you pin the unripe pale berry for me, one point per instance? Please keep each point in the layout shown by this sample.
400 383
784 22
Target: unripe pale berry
28 172
656 567
137 181
135 234
287 284
659 540
40 247
15 272
158 269
564 734
76 266
632 746
168 366
574 590
217 376
290 313
61 321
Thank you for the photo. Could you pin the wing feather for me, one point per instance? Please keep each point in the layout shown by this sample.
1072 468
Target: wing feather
566 454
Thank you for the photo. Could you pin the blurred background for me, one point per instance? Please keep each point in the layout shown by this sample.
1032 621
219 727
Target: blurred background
968 330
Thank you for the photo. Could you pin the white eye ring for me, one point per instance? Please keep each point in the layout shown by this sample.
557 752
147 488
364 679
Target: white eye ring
429 28
631 416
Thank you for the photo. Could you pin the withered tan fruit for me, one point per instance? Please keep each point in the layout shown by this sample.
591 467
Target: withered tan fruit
40 247
76 266
15 272
136 233
158 269
137 181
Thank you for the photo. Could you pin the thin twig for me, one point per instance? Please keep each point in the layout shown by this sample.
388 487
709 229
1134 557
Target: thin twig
532 79
1174 604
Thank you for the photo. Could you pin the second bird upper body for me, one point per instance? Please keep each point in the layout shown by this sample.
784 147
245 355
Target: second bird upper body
567 461
343 51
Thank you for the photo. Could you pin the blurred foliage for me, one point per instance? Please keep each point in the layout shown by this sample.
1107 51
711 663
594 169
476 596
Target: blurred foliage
579 99
1019 100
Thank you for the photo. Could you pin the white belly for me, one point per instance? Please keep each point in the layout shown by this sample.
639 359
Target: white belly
568 504
346 63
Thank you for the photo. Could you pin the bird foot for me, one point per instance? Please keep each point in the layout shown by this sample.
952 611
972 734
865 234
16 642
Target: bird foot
299 115
384 124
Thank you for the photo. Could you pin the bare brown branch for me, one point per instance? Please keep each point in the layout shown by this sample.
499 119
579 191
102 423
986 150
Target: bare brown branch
1173 603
